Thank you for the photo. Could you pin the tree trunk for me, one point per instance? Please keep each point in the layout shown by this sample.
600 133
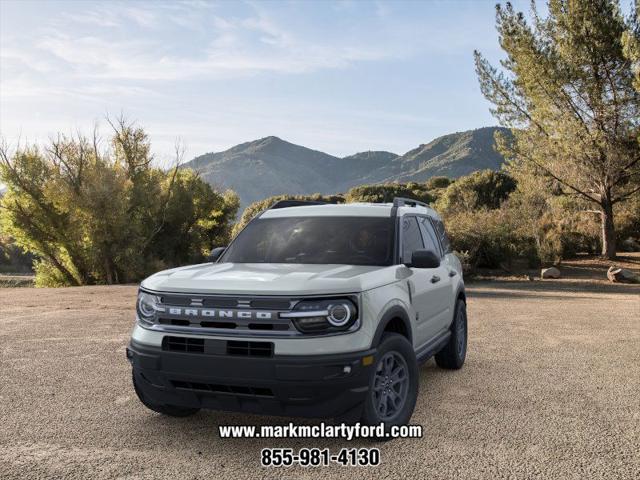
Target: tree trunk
608 230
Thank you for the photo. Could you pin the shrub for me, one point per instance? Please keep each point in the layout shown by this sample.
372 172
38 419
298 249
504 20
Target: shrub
92 216
465 261
12 258
489 238
482 189
384 193
435 183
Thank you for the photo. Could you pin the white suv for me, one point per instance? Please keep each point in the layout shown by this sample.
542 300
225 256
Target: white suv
315 310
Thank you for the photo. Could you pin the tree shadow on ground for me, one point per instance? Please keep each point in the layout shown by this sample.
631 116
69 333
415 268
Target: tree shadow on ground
559 287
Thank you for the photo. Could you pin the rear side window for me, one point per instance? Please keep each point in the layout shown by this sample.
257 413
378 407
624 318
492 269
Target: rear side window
444 239
429 236
411 238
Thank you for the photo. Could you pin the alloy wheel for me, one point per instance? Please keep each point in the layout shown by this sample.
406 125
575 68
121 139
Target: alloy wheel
390 385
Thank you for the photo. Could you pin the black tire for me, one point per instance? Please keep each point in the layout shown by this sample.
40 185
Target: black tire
453 354
398 348
170 410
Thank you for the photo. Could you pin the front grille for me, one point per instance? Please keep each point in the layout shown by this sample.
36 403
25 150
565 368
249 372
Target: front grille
193 313
281 326
228 389
183 344
210 302
269 326
271 303
218 324
250 349
229 316
217 347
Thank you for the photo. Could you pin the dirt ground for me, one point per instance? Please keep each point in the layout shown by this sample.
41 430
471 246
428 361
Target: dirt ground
550 390
582 269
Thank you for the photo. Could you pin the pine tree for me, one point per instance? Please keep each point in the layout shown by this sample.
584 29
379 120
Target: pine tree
566 89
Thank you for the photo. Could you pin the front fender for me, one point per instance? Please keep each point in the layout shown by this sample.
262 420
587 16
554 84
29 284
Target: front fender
393 312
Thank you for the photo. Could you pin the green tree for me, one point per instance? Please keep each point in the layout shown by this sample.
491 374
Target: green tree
631 41
481 189
196 220
107 216
384 193
435 183
566 89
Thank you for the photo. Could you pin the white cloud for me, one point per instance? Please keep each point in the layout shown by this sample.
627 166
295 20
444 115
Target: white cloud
70 47
177 63
246 46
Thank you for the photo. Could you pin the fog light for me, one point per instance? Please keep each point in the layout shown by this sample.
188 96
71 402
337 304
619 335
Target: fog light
346 369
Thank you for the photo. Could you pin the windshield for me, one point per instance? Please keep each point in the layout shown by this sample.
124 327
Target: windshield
341 240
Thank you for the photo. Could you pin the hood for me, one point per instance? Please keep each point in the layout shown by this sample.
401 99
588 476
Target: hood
270 279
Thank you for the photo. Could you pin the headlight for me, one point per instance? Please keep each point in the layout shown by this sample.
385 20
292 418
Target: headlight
323 316
339 314
147 306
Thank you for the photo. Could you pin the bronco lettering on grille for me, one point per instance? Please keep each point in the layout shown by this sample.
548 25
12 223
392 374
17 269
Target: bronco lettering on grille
211 313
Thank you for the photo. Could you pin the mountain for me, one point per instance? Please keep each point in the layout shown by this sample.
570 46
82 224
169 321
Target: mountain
355 165
272 166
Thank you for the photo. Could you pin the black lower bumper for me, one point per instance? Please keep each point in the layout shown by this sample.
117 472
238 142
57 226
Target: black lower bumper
318 386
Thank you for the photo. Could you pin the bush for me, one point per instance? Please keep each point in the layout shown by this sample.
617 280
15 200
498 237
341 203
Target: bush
465 261
482 189
385 193
13 259
435 183
92 216
490 239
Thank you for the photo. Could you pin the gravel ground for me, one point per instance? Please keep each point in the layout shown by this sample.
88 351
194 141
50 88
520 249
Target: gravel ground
550 389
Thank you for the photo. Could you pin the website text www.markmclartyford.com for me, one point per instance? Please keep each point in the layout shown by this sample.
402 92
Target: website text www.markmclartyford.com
315 457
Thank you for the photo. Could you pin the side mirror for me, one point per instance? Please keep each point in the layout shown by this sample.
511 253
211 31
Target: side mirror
215 254
424 259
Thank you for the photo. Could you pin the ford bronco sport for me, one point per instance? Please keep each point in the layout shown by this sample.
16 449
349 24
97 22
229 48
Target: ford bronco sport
316 310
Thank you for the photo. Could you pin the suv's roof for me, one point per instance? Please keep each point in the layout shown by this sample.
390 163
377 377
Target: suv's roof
348 210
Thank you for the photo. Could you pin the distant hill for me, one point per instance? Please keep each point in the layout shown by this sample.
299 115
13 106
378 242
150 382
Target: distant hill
272 166
453 155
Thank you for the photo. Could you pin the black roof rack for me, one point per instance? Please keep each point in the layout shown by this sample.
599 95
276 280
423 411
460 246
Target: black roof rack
407 202
295 203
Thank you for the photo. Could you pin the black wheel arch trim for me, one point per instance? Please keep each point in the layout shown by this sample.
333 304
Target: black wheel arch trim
395 311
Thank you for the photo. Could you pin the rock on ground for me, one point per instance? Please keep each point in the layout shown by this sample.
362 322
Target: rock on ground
551 272
621 275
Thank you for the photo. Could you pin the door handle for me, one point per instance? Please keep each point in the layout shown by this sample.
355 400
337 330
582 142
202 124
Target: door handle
435 279
452 273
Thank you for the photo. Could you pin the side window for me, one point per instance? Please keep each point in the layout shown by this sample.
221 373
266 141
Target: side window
444 240
411 238
430 239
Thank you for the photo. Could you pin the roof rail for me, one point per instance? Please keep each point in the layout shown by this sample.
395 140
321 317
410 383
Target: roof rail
295 203
408 202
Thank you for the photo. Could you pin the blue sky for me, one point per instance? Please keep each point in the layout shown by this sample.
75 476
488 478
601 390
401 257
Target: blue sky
340 77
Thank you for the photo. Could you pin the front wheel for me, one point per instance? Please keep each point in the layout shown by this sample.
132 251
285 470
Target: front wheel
393 385
453 354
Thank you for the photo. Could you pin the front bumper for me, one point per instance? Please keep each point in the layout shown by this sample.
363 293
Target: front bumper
319 386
